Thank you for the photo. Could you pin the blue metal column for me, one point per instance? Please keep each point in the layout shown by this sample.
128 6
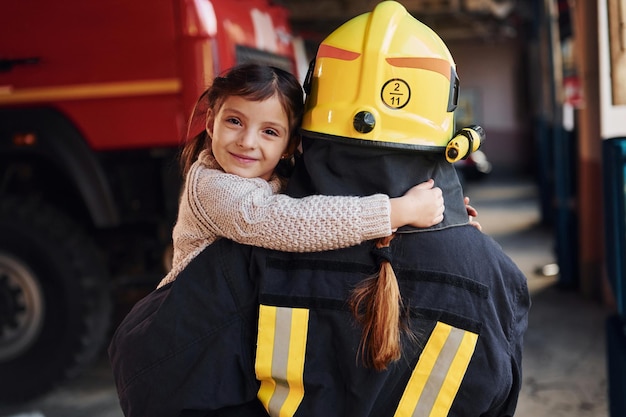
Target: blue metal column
564 151
614 187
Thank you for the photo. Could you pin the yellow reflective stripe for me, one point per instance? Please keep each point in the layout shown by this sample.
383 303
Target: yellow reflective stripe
9 95
281 347
264 349
438 374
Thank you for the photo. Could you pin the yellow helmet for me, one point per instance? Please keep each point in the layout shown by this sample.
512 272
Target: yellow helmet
384 78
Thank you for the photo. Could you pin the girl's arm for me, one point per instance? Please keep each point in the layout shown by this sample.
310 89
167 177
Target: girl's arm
250 211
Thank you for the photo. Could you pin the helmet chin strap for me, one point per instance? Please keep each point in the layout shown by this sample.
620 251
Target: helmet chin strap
341 168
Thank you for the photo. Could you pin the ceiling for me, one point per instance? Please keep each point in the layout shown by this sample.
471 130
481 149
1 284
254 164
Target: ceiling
489 20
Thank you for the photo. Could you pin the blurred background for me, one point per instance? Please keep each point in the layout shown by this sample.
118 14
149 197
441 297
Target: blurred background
94 99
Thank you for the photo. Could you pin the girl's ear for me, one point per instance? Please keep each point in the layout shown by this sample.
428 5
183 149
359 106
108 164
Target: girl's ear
209 123
292 145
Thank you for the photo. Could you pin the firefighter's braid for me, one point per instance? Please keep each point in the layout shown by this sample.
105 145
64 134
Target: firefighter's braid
377 304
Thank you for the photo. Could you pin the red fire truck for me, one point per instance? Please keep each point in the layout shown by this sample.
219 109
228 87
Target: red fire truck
94 97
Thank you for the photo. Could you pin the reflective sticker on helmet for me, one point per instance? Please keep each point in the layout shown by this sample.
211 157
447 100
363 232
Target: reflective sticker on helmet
395 93
327 51
431 64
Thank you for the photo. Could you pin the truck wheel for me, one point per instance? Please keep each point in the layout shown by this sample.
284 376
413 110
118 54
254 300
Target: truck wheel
54 299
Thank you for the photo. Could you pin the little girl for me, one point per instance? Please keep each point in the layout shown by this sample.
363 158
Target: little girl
233 189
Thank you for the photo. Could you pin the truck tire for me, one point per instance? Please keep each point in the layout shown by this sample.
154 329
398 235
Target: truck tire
55 305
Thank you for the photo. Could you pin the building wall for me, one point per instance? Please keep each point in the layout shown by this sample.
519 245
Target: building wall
494 75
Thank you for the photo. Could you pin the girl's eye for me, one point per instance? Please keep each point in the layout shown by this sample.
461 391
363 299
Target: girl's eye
271 132
233 120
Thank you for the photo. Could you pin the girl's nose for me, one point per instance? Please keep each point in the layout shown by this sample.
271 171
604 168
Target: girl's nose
247 139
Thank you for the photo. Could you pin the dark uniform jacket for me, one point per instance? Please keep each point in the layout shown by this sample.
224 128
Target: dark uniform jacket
192 345
250 332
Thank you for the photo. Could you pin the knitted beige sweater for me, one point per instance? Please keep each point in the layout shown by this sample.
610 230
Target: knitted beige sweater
252 211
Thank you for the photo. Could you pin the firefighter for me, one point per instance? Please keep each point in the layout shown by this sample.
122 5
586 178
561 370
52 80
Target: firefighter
429 322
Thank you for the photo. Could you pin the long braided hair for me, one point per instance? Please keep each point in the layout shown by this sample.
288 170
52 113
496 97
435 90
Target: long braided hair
377 305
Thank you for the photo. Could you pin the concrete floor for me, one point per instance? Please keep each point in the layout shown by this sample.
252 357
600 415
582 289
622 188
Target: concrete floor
564 359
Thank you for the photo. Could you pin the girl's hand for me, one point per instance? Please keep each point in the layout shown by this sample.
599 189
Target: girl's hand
421 206
472 212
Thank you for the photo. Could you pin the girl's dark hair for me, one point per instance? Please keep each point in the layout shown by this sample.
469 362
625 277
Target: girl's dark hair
253 82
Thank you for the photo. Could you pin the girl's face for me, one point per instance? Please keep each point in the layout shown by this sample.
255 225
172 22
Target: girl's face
249 137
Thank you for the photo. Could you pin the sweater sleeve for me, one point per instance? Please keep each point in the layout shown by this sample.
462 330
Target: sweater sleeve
248 211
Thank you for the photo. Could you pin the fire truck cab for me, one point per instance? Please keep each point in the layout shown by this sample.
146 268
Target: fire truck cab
94 97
